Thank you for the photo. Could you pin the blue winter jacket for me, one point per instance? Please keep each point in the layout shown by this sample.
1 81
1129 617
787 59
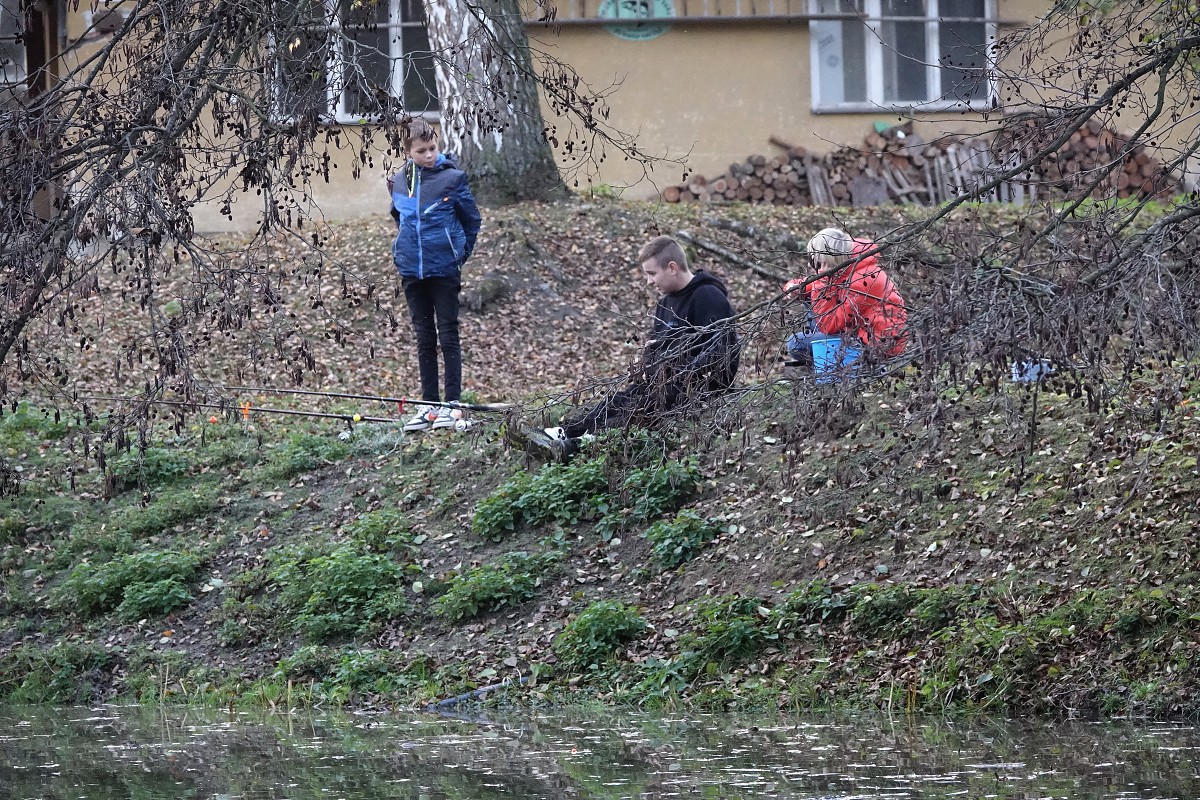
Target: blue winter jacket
437 217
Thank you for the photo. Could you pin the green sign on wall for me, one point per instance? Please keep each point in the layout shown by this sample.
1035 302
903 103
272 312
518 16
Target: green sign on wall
650 10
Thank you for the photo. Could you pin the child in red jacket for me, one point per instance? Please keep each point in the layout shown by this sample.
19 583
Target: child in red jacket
857 301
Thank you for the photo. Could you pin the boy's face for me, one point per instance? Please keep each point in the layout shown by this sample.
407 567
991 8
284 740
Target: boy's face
423 153
666 279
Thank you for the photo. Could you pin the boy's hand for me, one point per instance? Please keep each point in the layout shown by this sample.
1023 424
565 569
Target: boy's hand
794 289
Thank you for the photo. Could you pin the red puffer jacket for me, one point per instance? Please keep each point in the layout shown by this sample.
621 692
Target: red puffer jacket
861 300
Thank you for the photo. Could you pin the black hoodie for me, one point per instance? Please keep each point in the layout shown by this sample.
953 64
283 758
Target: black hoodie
692 336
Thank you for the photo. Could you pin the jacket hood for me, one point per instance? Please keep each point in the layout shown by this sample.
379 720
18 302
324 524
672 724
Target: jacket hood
443 162
870 262
403 174
700 278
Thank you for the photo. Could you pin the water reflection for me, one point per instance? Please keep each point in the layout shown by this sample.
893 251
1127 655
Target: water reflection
133 753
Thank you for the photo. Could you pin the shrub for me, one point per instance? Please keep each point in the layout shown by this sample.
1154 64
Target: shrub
590 638
302 452
142 600
512 580
676 541
381 531
152 580
882 609
729 627
26 419
648 493
344 591
564 493
337 675
938 608
660 490
498 514
814 603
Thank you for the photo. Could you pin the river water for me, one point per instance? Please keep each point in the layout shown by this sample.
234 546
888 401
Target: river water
130 753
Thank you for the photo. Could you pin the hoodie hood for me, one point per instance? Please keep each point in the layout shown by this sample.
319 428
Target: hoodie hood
700 278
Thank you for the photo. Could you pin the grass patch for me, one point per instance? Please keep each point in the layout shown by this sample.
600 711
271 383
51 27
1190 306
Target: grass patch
302 452
148 468
66 672
173 507
564 493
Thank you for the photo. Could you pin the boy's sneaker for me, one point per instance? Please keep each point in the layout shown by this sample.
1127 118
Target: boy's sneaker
423 420
446 417
560 435
546 444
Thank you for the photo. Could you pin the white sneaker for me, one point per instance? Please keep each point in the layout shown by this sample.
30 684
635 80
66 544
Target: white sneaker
560 435
446 417
423 420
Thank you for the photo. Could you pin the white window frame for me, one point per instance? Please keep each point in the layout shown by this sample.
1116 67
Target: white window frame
336 64
874 56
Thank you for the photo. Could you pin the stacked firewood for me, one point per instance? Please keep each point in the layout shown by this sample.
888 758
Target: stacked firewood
897 165
1073 169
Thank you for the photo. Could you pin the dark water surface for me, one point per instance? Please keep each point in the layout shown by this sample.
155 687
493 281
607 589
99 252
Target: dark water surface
114 752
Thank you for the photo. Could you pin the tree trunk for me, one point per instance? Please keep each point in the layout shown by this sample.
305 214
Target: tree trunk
491 115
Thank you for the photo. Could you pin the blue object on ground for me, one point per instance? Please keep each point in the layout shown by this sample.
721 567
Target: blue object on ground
1031 371
832 358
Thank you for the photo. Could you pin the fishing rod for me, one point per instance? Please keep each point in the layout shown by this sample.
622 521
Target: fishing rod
401 401
244 408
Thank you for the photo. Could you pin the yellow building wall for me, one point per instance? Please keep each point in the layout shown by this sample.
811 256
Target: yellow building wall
712 94
704 94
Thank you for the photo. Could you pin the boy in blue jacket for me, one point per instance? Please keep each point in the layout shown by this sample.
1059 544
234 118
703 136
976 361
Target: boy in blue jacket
438 222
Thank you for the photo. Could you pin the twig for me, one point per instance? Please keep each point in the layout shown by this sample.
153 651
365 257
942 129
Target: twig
731 257
754 232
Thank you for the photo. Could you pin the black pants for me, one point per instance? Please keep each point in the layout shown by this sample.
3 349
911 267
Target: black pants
643 404
433 308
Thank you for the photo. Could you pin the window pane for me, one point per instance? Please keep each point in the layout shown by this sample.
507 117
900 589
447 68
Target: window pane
963 58
904 56
420 88
367 66
841 54
12 48
961 8
412 10
841 61
303 74
837 7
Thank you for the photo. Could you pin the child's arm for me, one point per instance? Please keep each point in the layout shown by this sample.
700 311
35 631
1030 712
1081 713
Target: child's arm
468 214
391 187
832 308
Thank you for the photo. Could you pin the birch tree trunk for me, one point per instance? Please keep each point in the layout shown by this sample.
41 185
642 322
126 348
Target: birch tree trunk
491 115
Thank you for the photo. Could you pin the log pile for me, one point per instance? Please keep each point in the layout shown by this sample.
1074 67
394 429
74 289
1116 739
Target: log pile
897 165
1073 170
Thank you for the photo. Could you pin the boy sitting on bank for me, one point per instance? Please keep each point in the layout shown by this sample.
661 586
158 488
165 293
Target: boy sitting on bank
692 354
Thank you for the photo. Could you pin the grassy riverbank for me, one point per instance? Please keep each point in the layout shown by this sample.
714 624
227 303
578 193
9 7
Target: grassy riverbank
919 543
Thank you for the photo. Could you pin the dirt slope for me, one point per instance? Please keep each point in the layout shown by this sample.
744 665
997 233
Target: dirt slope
997 548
